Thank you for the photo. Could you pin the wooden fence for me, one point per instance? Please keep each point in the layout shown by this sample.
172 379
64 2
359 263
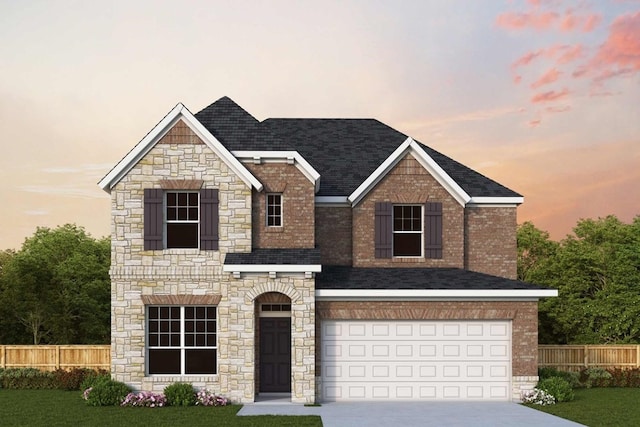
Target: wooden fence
577 357
52 357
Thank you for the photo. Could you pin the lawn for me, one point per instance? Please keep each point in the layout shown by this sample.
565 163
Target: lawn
65 408
600 407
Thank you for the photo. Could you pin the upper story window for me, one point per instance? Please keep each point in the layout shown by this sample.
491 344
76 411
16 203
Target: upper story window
182 219
407 230
181 340
274 210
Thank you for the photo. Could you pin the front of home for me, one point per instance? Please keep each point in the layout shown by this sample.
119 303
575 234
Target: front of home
332 259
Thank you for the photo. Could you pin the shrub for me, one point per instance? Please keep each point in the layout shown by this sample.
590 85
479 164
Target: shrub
595 377
92 376
106 392
180 394
573 378
27 378
538 397
624 377
72 379
557 387
207 398
146 399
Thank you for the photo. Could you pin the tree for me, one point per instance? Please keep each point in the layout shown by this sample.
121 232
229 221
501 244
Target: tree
57 288
597 273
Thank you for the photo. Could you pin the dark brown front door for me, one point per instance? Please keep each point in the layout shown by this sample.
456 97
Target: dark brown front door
275 354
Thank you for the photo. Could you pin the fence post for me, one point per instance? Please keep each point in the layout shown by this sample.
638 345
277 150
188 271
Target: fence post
57 357
638 356
586 357
3 356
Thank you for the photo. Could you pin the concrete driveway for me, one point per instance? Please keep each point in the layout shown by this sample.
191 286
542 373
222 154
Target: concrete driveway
409 414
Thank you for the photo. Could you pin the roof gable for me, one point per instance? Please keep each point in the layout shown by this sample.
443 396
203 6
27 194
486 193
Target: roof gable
179 112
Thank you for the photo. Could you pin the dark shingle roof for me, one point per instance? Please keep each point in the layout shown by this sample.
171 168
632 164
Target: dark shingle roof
342 277
343 151
275 257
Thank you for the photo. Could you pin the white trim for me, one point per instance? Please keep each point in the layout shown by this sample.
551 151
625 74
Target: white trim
364 294
410 146
499 201
289 157
144 146
334 201
268 268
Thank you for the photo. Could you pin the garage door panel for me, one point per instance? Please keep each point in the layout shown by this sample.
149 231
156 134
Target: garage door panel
368 360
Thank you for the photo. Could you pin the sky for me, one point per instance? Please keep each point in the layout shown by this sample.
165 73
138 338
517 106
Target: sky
541 95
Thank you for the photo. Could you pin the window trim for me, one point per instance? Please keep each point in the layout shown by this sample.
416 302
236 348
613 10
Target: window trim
421 232
281 216
182 347
166 220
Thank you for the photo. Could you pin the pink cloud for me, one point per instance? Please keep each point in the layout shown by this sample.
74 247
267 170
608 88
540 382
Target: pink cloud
591 23
570 53
569 22
517 21
549 96
535 123
558 109
547 78
526 59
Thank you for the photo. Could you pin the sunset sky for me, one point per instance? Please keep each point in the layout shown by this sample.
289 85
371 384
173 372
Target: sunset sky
542 96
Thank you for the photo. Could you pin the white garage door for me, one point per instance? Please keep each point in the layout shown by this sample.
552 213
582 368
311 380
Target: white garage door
406 360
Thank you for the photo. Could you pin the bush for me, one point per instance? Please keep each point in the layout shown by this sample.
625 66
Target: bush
557 387
106 392
27 378
92 376
72 379
573 378
595 377
538 397
207 398
180 394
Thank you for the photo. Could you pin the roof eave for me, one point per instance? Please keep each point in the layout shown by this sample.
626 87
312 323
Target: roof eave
145 145
364 294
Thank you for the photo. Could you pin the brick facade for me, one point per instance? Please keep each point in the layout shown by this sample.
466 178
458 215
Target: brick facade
334 235
298 220
408 183
490 240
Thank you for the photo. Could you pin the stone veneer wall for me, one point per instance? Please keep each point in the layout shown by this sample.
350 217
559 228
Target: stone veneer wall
298 204
490 234
408 182
523 316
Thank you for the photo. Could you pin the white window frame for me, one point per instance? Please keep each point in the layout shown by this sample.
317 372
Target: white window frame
281 216
182 346
421 232
166 221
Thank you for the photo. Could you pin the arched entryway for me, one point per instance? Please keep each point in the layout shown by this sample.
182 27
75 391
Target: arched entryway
273 343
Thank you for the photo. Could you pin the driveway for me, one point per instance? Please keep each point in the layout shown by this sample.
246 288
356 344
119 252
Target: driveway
409 414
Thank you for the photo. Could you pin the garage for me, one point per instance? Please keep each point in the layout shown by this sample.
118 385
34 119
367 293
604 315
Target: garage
411 360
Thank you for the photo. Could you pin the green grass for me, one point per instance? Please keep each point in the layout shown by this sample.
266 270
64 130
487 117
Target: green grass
600 407
66 408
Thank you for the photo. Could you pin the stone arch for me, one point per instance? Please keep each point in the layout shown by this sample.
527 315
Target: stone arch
272 286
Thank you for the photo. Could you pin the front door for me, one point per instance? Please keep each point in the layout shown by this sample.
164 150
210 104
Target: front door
275 354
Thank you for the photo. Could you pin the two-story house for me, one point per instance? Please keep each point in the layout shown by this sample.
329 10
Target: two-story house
331 259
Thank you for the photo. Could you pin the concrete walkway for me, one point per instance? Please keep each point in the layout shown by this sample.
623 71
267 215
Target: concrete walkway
410 414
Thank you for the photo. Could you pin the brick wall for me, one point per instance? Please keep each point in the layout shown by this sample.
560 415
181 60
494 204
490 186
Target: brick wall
298 221
524 317
333 235
490 235
408 182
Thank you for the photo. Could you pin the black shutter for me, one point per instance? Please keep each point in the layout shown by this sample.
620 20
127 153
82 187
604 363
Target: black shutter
433 230
153 201
383 230
209 219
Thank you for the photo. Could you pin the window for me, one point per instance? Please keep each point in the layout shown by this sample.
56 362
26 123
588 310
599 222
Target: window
274 210
182 214
181 340
407 230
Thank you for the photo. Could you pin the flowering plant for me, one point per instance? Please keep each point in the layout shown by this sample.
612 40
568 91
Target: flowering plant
538 397
207 398
145 398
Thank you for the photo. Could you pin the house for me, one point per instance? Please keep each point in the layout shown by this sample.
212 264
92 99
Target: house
331 259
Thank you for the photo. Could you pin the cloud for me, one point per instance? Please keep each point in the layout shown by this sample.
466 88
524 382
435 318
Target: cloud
591 23
622 47
558 109
547 78
549 96
518 21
